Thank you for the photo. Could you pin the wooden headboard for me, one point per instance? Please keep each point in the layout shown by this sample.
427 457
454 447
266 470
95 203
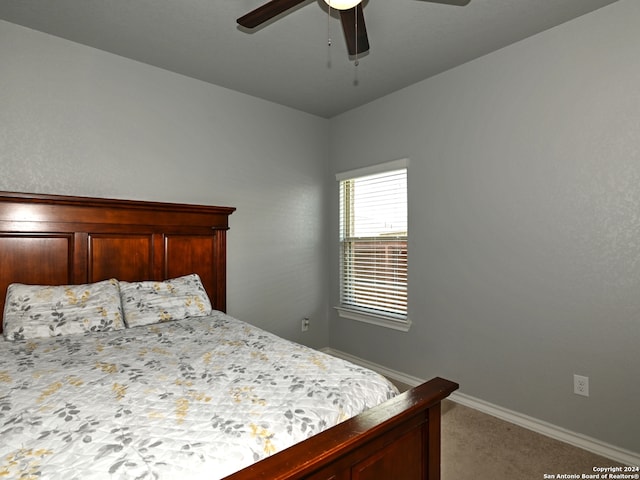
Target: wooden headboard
61 240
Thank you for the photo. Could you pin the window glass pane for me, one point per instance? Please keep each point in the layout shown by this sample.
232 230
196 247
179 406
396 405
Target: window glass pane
373 235
380 205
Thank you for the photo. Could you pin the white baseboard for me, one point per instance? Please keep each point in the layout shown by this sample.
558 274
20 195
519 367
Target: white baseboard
590 444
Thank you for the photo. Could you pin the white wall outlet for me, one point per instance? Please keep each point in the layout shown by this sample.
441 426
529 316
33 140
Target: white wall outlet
581 385
305 324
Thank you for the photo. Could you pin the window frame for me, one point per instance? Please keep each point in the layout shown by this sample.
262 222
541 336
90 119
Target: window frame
389 319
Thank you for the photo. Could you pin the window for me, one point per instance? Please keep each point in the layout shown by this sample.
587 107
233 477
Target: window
373 245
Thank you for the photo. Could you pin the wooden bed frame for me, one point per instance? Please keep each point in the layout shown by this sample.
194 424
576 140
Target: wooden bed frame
58 240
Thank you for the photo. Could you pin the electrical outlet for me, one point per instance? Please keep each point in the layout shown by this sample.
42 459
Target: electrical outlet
581 385
305 324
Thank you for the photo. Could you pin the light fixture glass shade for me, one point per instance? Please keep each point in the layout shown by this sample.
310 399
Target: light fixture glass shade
342 4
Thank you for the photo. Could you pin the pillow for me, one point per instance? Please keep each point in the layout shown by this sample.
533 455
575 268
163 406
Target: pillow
149 302
33 311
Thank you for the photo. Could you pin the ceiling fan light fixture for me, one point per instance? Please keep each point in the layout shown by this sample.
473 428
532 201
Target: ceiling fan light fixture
342 4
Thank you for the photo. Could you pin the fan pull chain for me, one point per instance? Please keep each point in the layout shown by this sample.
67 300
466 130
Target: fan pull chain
329 25
329 41
356 62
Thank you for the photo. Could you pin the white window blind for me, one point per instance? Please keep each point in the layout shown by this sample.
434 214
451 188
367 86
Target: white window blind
373 243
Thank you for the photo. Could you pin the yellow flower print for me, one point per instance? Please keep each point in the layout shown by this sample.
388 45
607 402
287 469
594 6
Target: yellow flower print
194 300
119 390
184 383
182 409
24 463
206 358
107 367
265 435
73 299
200 396
317 361
75 381
50 390
246 393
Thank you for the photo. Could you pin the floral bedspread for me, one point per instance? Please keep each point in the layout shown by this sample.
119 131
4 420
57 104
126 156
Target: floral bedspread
196 398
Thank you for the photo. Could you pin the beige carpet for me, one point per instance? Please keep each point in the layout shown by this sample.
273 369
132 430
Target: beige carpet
477 446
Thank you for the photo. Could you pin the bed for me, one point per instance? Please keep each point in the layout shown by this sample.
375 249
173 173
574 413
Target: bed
134 398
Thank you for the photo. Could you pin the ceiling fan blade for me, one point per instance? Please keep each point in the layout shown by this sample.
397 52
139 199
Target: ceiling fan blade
267 12
355 30
459 3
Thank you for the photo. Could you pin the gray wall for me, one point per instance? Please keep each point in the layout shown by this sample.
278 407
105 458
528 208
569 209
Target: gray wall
78 121
524 253
524 201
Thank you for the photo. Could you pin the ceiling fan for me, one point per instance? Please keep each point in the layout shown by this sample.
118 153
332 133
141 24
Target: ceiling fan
351 17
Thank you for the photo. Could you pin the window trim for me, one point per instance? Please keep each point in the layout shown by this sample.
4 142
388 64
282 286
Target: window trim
387 320
373 169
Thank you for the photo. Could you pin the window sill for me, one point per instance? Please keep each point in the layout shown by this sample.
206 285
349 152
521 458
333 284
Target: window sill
373 319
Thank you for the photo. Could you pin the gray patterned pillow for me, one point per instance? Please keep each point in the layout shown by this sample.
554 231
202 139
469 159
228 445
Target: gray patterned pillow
33 311
153 302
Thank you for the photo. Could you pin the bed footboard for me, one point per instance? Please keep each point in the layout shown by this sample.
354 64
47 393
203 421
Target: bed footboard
399 439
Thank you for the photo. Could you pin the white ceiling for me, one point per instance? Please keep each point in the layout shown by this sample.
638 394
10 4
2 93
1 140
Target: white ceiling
288 60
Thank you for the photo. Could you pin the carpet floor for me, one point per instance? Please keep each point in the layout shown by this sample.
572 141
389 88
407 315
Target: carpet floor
477 446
